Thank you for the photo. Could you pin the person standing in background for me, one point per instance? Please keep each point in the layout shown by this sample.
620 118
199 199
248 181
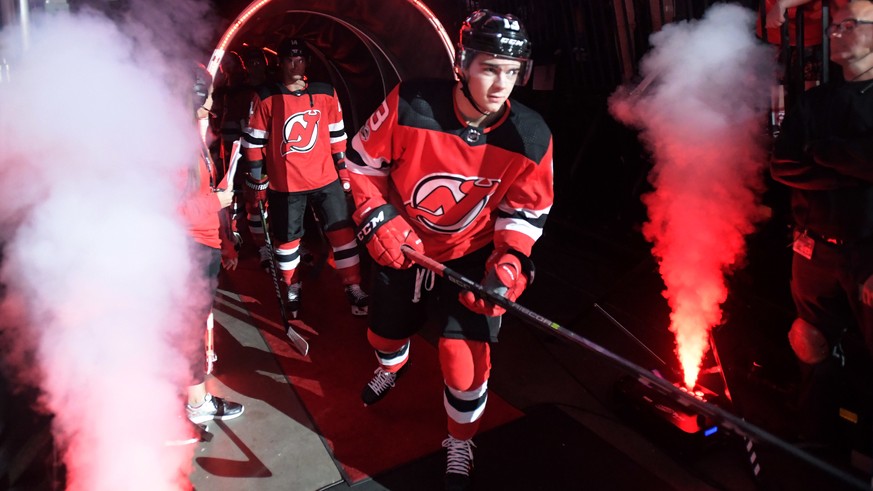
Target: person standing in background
824 154
295 146
210 249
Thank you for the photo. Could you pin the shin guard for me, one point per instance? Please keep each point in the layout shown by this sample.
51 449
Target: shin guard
391 353
345 255
288 258
466 366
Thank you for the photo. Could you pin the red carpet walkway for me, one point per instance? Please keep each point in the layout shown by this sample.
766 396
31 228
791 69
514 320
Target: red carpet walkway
408 424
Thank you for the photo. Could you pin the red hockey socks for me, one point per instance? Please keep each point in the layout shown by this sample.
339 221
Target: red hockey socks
345 255
392 353
466 366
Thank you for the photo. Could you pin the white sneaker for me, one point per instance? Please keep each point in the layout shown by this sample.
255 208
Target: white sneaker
214 408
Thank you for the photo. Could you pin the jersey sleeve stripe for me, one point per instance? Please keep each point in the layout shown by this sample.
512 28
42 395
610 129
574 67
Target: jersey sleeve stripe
256 133
363 170
336 137
246 143
253 138
336 127
533 216
369 161
520 226
538 222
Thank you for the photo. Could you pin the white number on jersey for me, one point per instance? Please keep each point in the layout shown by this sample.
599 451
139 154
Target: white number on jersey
379 117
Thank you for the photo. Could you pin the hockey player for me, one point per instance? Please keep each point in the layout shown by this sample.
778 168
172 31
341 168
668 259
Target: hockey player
248 70
456 170
296 134
199 208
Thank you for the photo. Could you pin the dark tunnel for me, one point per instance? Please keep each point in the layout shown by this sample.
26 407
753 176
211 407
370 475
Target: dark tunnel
363 49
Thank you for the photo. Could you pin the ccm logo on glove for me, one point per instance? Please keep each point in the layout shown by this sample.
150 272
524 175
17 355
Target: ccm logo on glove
384 232
375 220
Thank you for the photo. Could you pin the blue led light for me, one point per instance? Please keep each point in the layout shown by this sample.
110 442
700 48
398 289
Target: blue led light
710 431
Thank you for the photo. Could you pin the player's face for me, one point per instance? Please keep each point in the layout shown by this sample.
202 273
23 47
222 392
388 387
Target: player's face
851 35
293 68
491 80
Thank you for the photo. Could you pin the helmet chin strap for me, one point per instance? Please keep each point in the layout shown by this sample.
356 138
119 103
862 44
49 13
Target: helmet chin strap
465 89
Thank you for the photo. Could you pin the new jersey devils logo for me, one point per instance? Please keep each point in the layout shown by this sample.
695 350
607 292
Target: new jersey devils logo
300 131
449 203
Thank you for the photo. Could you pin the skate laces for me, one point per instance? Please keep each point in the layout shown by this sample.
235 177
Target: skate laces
382 381
355 293
460 456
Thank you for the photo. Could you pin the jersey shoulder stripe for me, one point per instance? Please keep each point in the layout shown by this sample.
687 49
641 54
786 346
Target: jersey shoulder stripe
527 123
427 104
265 91
320 88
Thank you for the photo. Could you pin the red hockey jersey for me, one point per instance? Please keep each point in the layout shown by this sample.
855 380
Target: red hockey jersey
200 207
297 132
458 186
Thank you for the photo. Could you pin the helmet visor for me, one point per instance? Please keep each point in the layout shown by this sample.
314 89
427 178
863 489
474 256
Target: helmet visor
466 55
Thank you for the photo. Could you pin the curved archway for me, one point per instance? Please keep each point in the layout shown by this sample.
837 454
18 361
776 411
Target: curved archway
363 48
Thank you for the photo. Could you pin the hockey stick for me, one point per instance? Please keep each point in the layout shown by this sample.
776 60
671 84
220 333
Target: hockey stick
233 163
725 419
225 215
748 443
297 340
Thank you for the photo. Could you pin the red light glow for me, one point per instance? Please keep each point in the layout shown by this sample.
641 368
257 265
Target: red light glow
698 225
438 27
705 138
254 7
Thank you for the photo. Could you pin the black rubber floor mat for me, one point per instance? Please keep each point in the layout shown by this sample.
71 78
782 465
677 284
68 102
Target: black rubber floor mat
544 450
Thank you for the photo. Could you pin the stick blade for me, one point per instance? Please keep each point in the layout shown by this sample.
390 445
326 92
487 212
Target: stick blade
297 340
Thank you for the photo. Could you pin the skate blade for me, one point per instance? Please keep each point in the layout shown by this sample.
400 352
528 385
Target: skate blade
298 341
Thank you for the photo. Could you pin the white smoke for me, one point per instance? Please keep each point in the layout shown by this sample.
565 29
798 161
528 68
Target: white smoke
701 108
97 136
